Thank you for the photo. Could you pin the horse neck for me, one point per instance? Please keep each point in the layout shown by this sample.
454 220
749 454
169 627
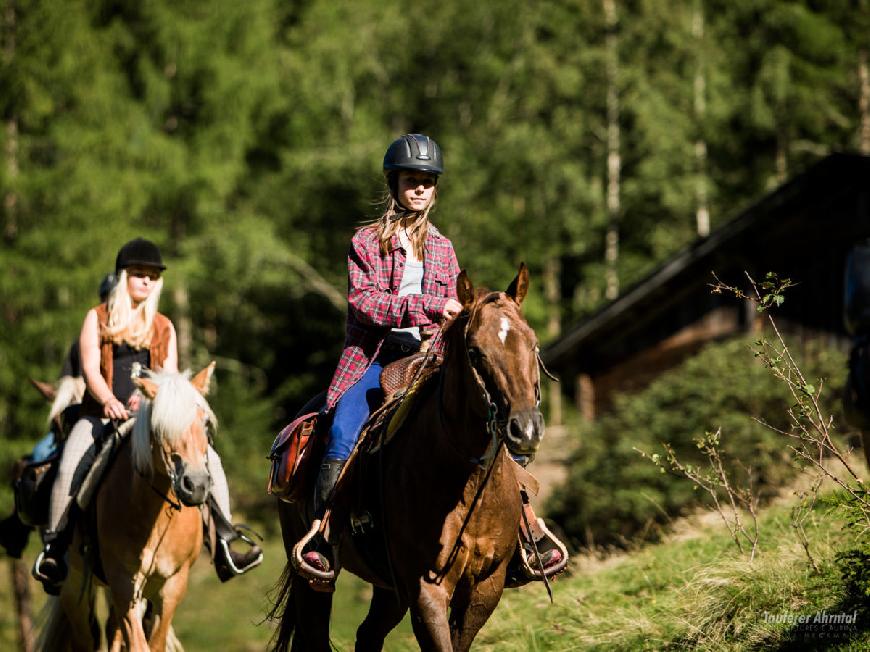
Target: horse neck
463 404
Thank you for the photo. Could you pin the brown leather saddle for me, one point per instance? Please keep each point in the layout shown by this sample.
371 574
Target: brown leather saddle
398 376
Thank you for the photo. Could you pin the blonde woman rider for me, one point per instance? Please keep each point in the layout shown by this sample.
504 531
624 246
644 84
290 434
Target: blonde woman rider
124 331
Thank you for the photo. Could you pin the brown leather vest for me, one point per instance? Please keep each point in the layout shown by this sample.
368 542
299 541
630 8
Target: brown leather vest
158 349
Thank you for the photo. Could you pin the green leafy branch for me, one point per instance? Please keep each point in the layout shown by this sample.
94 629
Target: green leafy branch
809 437
729 498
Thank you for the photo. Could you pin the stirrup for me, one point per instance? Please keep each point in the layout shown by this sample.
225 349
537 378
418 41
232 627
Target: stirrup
228 564
50 585
530 565
318 580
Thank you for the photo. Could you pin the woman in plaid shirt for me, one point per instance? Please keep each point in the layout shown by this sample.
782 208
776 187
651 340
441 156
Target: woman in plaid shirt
401 285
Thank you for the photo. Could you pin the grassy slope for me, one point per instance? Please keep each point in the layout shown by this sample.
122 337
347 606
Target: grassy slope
693 592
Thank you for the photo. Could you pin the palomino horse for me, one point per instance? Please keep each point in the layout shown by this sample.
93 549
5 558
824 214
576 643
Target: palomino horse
445 503
147 522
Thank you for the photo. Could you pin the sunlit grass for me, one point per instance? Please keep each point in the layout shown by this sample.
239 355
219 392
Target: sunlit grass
693 592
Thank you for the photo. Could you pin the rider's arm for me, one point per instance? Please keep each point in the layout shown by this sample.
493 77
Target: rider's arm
171 361
374 305
89 344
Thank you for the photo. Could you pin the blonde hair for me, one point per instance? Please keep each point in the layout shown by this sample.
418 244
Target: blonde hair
129 324
395 216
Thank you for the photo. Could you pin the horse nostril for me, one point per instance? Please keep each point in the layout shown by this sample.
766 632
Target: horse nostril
187 484
515 430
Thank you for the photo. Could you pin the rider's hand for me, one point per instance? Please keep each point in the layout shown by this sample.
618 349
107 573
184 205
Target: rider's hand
134 402
451 309
114 409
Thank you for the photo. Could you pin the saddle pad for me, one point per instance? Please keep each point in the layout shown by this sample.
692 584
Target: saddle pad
109 446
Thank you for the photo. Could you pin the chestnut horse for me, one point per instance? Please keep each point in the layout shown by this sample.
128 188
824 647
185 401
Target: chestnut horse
147 521
446 509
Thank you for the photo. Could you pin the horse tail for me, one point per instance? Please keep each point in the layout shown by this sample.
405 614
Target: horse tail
284 611
56 630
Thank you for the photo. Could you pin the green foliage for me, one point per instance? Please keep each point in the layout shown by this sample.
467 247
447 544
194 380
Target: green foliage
613 495
245 138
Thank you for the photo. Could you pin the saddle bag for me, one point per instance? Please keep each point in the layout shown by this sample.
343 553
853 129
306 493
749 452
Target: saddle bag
32 489
295 455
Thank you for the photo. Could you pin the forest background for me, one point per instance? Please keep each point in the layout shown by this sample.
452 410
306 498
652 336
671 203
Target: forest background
590 139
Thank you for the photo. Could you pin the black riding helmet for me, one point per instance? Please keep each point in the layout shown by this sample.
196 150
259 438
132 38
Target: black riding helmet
139 252
411 152
414 152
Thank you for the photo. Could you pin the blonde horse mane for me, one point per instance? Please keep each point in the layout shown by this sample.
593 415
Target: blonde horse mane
168 416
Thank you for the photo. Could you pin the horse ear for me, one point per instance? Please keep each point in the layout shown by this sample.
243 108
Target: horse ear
520 285
202 380
464 290
147 387
46 389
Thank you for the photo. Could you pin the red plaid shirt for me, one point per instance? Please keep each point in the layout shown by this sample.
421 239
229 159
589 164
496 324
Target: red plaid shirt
374 304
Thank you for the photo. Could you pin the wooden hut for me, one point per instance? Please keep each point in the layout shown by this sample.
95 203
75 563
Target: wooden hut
802 231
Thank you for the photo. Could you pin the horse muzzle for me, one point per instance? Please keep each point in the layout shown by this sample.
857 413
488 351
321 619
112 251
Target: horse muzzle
192 486
524 432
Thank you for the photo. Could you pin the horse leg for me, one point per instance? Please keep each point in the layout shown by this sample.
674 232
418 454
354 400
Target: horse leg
313 609
171 595
129 609
385 612
429 618
471 611
77 602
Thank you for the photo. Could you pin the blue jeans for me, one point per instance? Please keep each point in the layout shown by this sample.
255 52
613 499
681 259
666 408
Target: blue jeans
354 408
44 448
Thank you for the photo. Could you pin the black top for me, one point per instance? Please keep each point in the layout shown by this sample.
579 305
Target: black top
123 357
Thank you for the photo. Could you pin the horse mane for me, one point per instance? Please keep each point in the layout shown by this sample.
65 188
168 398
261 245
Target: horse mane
482 296
168 416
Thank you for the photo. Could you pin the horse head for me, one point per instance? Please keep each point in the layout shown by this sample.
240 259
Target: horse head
172 432
502 357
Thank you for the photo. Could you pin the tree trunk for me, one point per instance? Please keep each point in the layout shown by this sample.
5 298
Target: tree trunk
10 149
614 161
553 295
23 605
863 103
184 328
702 211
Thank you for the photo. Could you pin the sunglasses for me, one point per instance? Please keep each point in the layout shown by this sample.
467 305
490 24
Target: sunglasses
153 274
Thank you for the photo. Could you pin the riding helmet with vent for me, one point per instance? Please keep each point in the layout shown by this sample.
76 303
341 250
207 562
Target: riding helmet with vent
140 252
414 152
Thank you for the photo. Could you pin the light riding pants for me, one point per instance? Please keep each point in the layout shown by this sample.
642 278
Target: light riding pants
78 455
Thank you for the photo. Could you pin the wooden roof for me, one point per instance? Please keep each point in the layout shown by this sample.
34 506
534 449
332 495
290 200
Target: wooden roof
801 231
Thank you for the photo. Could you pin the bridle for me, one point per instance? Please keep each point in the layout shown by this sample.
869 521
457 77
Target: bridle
496 423
168 464
496 427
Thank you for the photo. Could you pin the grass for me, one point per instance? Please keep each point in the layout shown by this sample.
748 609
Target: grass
692 592
697 593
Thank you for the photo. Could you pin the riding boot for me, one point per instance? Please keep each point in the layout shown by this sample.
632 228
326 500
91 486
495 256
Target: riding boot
227 562
14 535
50 567
539 553
327 478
